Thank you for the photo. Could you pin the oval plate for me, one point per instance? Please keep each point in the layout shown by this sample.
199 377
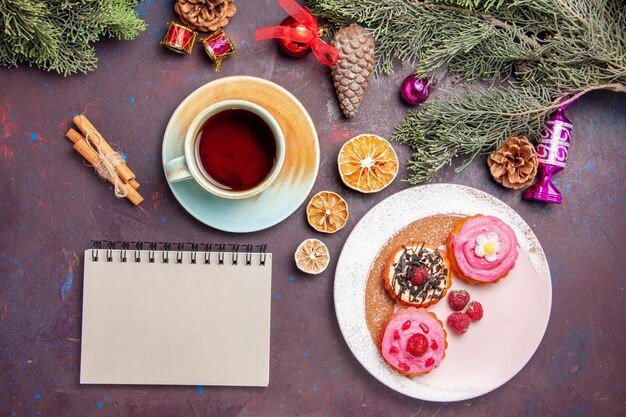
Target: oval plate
493 350
295 180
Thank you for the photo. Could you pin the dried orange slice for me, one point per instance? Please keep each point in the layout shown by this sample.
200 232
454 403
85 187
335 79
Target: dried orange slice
327 212
367 163
312 256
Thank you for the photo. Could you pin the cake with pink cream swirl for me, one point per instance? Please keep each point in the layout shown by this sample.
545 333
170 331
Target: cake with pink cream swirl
414 341
482 249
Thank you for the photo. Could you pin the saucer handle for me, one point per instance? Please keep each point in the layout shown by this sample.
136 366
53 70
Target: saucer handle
177 170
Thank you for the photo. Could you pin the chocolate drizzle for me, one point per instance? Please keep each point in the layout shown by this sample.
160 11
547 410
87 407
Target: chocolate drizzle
411 258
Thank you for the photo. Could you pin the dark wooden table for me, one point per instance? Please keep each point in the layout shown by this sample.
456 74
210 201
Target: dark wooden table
52 206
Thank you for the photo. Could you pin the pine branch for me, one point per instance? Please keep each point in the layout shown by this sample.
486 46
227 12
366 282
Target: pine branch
468 125
555 49
57 35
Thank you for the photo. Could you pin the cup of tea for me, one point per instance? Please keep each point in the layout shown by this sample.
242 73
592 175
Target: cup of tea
233 149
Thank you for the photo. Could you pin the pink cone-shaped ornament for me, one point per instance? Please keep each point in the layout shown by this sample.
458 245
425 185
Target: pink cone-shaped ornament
552 152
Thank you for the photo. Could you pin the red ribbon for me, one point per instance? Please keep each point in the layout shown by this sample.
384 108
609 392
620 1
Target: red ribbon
325 53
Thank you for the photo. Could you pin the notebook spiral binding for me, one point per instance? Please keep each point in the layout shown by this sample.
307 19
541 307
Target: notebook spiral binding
166 248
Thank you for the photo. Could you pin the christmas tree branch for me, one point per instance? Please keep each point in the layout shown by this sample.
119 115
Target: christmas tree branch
557 51
495 22
468 125
580 18
57 35
562 101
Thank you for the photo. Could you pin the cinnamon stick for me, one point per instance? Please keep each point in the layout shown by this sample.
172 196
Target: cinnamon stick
85 126
86 152
75 137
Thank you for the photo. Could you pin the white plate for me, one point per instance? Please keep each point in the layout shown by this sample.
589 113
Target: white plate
493 350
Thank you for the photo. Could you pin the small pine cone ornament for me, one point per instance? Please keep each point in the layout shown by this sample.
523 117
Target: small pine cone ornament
353 69
205 15
514 165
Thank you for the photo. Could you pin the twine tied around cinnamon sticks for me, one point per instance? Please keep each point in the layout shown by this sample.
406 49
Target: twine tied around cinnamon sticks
107 162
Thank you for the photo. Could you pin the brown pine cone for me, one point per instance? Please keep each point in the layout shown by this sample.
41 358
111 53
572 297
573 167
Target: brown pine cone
353 69
514 165
205 15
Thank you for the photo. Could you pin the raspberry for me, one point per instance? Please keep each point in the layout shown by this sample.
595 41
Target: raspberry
417 345
419 276
475 310
458 322
458 299
430 362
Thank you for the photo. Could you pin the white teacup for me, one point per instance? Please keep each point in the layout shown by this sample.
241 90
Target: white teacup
188 166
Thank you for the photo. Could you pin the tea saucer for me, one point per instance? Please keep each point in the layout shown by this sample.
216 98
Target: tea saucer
289 189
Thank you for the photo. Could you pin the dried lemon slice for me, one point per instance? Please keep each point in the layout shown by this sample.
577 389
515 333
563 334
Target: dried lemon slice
367 163
312 256
327 212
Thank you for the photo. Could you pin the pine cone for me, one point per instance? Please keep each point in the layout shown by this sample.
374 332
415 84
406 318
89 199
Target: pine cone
514 165
205 15
354 67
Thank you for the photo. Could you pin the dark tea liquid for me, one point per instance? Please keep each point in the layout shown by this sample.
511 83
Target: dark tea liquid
236 149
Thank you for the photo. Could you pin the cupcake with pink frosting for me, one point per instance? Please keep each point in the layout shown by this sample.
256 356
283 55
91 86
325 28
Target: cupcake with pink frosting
482 249
413 342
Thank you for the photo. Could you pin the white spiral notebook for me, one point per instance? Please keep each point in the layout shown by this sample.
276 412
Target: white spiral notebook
171 316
